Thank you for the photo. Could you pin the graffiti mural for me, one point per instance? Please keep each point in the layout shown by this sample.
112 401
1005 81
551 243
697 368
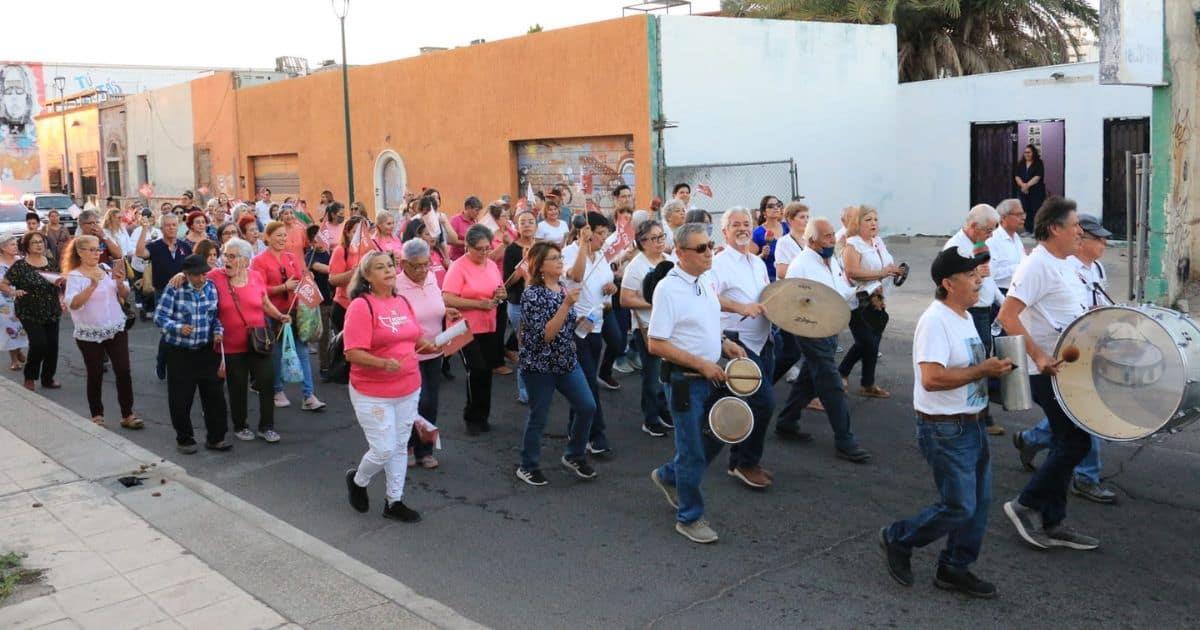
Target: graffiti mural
23 96
586 168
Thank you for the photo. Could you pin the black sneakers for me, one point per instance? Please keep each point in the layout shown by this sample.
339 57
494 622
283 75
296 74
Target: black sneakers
964 582
397 511
359 500
580 467
532 477
899 564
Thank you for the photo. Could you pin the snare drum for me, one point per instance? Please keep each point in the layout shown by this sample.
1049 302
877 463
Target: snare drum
1138 372
730 420
743 377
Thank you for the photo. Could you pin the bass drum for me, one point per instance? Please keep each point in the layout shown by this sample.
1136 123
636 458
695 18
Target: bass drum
1138 372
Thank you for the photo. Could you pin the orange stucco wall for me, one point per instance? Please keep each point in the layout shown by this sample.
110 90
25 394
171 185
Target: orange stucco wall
452 116
83 137
214 126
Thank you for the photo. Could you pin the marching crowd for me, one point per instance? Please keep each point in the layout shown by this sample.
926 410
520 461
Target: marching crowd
242 291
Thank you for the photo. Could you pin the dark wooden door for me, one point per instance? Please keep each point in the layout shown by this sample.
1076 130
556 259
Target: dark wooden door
993 155
1120 135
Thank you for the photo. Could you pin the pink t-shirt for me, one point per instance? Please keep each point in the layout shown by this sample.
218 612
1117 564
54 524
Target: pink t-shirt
426 300
277 270
468 280
391 334
249 298
437 266
459 224
389 244
340 262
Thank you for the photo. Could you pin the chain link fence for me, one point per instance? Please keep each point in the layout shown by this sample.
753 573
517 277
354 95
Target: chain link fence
718 187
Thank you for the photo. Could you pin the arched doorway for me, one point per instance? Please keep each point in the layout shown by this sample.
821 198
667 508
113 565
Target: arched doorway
391 180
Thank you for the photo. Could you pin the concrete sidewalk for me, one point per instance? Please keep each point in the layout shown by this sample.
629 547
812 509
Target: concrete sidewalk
174 552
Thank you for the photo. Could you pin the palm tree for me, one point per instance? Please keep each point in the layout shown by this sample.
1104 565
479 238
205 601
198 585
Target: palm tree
940 38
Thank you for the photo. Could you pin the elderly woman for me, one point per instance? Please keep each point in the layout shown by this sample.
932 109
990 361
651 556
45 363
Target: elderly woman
417 285
650 241
549 363
36 283
197 228
243 304
867 263
248 226
673 213
93 296
437 261
283 271
382 336
475 287
12 335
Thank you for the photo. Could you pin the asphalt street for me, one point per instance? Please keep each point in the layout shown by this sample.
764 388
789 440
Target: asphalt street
804 552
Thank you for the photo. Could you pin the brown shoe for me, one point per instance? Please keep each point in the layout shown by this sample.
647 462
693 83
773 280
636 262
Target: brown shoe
28 384
752 477
995 429
503 370
874 391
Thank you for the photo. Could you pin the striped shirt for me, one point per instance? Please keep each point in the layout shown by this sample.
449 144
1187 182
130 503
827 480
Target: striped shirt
188 306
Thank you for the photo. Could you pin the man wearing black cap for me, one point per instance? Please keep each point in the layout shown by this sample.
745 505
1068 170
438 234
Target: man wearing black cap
950 398
192 333
1093 282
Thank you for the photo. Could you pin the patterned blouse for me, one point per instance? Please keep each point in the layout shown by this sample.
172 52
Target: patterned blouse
40 303
538 305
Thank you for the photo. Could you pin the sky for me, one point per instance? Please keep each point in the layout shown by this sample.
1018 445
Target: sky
252 33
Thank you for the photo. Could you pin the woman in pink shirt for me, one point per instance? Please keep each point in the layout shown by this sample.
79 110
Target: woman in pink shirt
342 263
474 287
382 340
384 239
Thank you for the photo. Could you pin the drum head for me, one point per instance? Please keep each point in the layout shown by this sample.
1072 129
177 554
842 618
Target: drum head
730 420
744 377
805 308
1130 378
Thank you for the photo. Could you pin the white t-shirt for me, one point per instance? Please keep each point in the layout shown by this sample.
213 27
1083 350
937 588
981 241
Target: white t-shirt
988 293
1050 291
873 257
596 274
139 264
945 338
1090 276
1007 252
552 233
787 248
809 265
689 321
262 209
635 275
742 278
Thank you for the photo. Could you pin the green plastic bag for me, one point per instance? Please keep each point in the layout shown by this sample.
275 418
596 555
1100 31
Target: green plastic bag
308 323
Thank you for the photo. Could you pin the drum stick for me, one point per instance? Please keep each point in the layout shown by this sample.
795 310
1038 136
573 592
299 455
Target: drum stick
764 303
1070 354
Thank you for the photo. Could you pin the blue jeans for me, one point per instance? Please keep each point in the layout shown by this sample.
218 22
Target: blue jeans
1088 469
654 401
614 338
1046 491
981 316
819 378
587 350
748 453
514 319
694 448
865 348
277 361
574 387
962 471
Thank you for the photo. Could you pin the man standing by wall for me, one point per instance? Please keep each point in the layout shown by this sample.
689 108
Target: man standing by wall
461 222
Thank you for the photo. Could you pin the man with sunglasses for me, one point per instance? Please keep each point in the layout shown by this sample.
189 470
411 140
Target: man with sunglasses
819 378
685 330
741 276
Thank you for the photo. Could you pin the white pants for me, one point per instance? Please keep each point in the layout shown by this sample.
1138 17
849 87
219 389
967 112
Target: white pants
386 423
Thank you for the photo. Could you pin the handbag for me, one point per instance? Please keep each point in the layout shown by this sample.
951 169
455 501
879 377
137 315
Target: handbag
259 339
290 369
339 367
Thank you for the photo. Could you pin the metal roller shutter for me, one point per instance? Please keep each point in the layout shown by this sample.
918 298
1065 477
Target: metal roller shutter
280 173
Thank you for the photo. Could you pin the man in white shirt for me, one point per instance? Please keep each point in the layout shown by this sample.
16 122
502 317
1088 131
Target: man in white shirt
1092 285
685 330
587 269
950 398
981 223
262 207
741 277
1005 245
819 378
1042 300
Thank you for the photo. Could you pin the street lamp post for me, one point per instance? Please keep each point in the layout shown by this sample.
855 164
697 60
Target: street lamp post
60 83
340 8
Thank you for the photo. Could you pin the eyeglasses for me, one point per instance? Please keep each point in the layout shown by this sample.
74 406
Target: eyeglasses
483 250
701 248
655 239
773 205
417 265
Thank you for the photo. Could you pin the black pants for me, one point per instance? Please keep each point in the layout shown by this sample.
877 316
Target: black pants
614 331
1046 491
480 357
238 369
427 403
117 352
337 317
865 348
189 370
42 363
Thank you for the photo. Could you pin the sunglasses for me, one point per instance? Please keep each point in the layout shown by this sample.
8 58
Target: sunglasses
774 205
701 248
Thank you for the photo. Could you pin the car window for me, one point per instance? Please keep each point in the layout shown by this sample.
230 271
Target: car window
12 213
52 202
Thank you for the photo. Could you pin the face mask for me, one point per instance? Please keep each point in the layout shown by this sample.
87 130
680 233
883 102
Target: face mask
826 252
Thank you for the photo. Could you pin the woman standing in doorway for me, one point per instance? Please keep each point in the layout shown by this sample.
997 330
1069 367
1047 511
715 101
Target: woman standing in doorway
1030 180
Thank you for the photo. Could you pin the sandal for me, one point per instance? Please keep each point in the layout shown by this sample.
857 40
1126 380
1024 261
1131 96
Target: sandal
133 422
816 405
874 391
16 366
98 420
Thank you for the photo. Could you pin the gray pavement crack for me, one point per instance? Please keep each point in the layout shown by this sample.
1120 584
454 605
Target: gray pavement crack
745 579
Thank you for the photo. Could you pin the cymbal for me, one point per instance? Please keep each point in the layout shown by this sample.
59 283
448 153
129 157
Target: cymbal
805 308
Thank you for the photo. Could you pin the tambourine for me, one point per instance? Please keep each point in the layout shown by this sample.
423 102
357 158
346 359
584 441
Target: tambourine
899 280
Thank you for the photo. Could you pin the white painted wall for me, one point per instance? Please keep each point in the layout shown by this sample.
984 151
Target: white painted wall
159 125
933 157
746 90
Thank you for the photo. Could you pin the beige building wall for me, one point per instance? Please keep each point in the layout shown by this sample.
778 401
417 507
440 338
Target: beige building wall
159 126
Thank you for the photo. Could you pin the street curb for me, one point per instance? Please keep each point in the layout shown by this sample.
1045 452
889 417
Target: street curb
391 589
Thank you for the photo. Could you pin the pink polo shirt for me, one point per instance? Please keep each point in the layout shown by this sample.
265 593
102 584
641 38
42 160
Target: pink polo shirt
468 280
426 300
391 334
460 224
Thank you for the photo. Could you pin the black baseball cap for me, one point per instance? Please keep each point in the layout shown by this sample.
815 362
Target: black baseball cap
951 261
1091 225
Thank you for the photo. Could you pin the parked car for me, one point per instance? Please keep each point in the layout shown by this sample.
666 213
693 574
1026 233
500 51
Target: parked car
12 218
44 202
